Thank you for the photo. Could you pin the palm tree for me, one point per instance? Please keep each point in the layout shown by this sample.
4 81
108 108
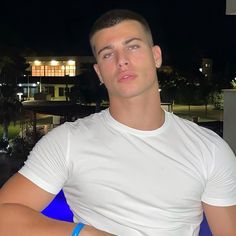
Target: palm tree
12 66
5 63
10 111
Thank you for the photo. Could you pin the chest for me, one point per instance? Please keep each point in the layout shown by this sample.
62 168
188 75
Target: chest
136 172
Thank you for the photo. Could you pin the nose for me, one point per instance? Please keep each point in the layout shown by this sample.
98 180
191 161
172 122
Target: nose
122 60
123 63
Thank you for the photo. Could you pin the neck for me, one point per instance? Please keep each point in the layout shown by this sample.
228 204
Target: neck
138 113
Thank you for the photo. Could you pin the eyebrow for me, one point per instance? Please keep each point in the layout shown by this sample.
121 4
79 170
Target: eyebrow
108 47
131 40
105 48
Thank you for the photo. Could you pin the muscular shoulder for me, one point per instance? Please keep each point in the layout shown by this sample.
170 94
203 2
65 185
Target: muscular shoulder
77 126
192 131
82 127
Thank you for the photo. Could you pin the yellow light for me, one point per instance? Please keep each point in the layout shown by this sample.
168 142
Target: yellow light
37 62
54 63
71 62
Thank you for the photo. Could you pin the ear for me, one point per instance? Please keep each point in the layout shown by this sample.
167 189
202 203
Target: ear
157 55
96 68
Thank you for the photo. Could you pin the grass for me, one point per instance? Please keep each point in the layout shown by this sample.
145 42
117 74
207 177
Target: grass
13 130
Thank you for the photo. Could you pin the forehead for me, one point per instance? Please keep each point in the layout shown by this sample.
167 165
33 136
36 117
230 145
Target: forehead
120 32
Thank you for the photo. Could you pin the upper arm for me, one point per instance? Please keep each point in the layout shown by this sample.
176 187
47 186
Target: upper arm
221 220
19 189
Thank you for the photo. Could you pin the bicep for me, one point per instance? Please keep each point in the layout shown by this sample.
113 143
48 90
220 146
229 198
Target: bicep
221 220
19 189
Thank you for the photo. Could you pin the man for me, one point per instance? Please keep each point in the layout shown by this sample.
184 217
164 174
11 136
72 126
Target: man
132 169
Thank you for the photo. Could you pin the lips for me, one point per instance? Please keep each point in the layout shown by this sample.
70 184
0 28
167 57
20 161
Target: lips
126 77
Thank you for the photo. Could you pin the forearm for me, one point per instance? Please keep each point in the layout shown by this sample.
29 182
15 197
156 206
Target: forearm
20 220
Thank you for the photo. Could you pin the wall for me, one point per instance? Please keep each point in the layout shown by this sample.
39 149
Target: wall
229 130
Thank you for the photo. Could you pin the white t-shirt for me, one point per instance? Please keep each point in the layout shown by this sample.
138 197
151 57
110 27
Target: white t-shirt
131 182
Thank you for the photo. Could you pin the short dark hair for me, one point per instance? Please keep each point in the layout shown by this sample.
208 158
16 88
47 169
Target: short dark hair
116 16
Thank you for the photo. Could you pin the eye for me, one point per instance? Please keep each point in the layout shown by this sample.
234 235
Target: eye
133 47
107 55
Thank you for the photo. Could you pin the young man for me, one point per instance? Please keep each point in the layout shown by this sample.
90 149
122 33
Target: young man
132 169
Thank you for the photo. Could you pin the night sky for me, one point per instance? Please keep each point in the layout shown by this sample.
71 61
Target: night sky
184 29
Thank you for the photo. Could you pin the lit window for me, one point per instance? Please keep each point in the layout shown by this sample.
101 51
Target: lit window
37 62
54 63
71 62
37 70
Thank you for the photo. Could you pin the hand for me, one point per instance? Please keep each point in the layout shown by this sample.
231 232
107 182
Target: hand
91 231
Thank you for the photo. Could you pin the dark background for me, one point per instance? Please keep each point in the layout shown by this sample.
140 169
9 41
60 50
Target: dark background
185 29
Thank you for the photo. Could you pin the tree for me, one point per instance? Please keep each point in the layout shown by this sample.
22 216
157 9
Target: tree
88 89
167 79
10 111
12 66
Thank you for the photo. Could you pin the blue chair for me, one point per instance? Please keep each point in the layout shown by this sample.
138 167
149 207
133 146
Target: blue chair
58 209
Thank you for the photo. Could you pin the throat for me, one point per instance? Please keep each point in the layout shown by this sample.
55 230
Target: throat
140 119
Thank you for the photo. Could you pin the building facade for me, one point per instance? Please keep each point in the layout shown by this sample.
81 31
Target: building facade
51 78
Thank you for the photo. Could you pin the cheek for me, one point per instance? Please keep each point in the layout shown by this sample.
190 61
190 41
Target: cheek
143 59
107 71
145 64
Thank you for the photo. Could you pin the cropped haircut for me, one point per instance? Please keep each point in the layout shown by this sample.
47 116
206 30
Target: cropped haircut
116 16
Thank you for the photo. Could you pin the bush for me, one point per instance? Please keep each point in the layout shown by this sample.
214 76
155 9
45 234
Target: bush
218 100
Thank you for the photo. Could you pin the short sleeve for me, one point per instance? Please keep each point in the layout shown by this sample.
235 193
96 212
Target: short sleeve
220 189
47 164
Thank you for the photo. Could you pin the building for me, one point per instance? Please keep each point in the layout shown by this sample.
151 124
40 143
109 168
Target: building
49 78
206 68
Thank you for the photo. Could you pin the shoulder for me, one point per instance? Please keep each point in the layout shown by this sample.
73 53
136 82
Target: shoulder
204 139
194 131
80 125
91 122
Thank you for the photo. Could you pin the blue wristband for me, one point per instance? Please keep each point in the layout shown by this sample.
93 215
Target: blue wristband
77 229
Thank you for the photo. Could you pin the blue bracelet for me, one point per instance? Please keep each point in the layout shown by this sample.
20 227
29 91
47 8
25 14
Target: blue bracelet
77 229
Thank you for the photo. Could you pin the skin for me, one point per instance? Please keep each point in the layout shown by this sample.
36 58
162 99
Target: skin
20 204
136 102
126 64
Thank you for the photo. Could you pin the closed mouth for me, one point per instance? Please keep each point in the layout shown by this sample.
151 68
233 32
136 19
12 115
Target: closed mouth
126 77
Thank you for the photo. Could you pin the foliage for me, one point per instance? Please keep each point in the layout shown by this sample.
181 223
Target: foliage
12 66
88 89
5 168
10 111
218 100
233 83
19 148
7 91
168 82
185 87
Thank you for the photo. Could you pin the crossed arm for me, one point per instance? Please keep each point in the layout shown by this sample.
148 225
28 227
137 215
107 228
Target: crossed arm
21 202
